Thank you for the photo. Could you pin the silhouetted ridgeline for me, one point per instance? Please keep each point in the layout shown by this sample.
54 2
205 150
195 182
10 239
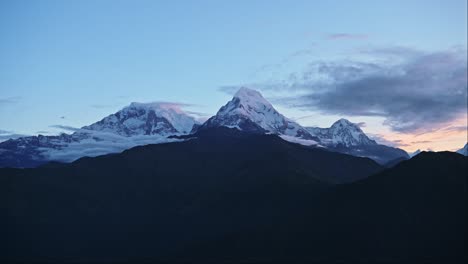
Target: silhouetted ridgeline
227 196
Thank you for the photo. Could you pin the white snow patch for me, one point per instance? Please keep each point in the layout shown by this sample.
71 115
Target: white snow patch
305 142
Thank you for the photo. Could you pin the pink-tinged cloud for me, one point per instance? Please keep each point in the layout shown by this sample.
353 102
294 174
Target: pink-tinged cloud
346 36
449 137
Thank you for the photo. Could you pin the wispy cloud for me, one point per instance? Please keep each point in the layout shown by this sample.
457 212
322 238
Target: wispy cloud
2 132
421 142
361 124
66 128
346 36
6 134
229 89
462 128
100 143
381 139
10 100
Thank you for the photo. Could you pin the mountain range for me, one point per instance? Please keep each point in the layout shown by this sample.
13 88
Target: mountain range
137 124
153 123
149 184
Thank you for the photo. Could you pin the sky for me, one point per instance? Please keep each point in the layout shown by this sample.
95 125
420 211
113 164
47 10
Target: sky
396 67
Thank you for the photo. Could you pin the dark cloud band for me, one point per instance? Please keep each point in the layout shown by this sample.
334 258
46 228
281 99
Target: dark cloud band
414 91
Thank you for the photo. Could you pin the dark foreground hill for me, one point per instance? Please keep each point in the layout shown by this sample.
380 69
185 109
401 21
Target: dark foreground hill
413 213
233 197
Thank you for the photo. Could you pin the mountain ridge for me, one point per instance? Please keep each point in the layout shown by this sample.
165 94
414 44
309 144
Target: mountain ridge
152 123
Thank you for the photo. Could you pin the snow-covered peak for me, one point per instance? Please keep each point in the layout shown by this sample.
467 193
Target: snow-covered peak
251 104
342 122
146 119
172 112
464 150
415 153
157 106
249 111
249 96
342 133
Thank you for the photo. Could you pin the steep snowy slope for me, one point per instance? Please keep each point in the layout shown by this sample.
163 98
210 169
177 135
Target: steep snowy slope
346 137
343 133
249 111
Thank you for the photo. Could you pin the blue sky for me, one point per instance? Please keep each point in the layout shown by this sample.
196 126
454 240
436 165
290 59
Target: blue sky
74 62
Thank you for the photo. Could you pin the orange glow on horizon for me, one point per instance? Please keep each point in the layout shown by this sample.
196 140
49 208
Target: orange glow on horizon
451 136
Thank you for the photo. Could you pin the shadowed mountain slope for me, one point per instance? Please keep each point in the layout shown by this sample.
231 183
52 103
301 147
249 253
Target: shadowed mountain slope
227 196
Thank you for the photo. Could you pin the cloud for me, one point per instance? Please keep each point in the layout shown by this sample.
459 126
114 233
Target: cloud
67 128
6 134
5 137
346 36
2 132
384 141
419 93
100 143
361 124
303 117
229 89
172 104
457 128
421 142
10 100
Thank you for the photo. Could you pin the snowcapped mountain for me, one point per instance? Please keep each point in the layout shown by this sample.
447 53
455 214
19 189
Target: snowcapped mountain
341 133
415 153
134 125
346 137
464 150
152 123
249 111
146 119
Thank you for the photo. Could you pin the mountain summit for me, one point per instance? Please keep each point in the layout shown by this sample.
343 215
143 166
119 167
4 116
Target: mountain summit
249 111
343 133
347 137
146 119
